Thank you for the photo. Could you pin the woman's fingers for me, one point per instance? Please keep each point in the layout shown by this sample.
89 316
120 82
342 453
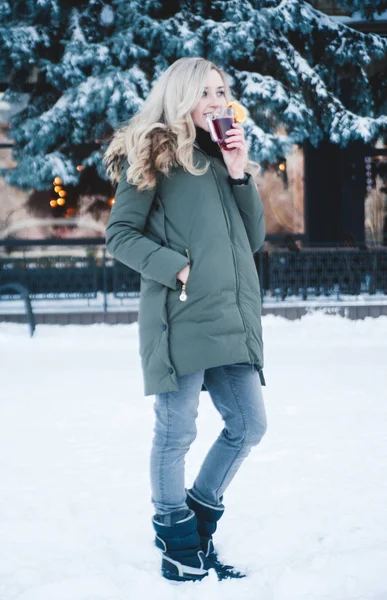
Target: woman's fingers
238 129
235 145
234 138
234 133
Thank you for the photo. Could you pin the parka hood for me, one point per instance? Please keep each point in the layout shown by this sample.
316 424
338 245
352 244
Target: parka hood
115 155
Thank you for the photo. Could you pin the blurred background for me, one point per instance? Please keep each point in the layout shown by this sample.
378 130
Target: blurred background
312 76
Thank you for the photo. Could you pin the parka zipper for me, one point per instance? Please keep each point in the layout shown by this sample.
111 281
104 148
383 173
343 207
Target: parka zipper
233 256
183 296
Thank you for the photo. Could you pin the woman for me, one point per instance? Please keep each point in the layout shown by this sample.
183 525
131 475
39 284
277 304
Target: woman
188 217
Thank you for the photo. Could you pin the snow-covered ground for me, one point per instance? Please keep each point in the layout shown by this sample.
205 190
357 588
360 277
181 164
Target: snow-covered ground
305 516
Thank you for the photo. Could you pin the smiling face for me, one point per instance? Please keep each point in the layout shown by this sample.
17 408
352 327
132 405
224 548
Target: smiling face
213 98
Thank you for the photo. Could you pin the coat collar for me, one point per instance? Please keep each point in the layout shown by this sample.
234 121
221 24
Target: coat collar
204 142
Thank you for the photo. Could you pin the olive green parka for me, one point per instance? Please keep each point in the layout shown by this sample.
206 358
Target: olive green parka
213 226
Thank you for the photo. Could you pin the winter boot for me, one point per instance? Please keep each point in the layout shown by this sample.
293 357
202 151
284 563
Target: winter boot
178 538
207 517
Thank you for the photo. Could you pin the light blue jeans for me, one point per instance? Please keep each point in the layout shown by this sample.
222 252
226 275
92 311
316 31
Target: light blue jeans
236 393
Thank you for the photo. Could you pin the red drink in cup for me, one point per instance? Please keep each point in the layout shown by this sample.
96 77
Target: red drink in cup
219 123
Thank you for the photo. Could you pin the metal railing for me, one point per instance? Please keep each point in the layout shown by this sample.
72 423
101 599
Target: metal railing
24 295
302 273
330 272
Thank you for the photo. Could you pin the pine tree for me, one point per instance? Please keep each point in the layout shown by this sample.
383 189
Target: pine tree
300 74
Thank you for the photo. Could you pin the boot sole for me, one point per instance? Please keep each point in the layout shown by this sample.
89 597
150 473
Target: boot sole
178 579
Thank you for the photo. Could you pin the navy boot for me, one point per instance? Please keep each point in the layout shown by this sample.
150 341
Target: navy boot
177 536
207 517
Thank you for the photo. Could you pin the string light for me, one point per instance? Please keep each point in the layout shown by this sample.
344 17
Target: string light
111 201
61 193
80 168
282 167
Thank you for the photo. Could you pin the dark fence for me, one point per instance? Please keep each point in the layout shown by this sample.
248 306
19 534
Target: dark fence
53 276
336 271
302 273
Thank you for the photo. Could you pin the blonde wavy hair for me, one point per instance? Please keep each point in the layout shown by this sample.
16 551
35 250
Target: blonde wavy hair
161 135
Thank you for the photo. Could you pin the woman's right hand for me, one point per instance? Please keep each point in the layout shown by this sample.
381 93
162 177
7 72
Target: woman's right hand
183 274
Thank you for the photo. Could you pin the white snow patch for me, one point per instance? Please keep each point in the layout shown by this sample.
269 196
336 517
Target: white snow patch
305 515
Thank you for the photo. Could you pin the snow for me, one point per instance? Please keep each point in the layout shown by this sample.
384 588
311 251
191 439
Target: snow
107 15
305 515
